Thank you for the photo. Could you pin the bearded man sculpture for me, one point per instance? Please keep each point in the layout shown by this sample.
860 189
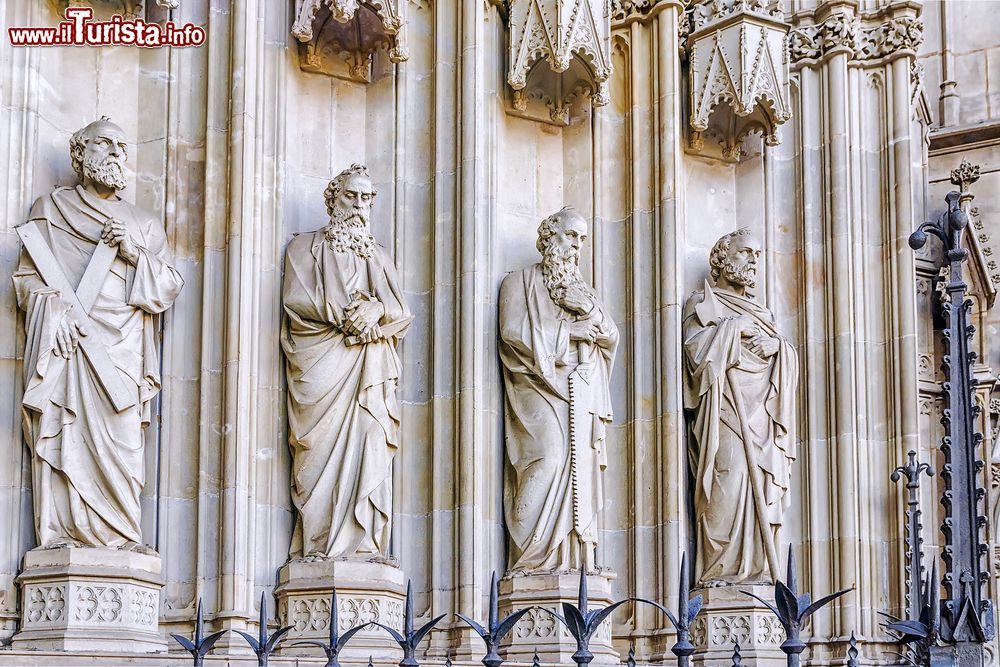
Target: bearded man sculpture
557 348
344 317
741 378
94 273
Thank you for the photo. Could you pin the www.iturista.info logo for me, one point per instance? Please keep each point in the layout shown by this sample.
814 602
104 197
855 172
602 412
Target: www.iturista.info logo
80 30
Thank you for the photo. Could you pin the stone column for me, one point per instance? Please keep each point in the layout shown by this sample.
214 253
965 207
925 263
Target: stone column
856 121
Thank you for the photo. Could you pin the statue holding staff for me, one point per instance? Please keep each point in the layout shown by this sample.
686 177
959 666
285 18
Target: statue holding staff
741 378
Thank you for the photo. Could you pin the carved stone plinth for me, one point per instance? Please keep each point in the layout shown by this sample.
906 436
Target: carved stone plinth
730 617
540 630
366 591
90 599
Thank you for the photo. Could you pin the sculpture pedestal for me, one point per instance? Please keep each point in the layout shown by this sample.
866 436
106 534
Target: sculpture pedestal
730 617
538 630
85 599
367 590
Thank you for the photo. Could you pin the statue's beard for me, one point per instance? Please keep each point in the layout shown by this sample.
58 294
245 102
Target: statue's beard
348 232
108 172
744 274
560 271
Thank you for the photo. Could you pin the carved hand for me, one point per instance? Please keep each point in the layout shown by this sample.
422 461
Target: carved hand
363 315
584 330
114 235
577 300
68 334
764 346
748 328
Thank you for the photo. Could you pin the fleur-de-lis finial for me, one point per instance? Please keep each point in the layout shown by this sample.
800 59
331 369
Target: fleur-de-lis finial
964 175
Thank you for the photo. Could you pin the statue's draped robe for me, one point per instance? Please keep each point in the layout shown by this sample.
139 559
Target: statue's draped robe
343 413
730 545
552 521
87 458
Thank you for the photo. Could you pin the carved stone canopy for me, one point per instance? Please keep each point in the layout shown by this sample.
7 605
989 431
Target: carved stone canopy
738 73
560 51
340 37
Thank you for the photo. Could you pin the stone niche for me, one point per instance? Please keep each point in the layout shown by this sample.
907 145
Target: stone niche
559 55
737 75
340 37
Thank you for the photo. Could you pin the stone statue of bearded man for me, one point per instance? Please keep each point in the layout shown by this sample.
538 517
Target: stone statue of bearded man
741 378
94 274
557 345
344 317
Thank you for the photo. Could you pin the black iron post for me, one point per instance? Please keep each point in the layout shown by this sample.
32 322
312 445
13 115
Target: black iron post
914 532
966 614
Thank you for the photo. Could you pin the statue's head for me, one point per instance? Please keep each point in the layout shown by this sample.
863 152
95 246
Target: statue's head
562 235
734 258
560 240
349 198
98 153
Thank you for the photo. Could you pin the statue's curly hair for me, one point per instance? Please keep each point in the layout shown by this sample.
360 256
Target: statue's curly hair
548 227
336 186
78 143
717 258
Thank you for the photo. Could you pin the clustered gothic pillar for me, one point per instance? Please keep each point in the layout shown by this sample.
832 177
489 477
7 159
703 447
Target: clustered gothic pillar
857 122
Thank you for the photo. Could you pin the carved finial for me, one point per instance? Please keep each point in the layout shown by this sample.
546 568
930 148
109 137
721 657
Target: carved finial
852 652
630 660
737 658
964 175
534 660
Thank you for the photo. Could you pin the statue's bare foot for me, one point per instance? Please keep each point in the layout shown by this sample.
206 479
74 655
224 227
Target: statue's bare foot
135 547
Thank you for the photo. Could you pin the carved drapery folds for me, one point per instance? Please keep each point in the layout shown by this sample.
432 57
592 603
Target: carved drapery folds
340 37
738 73
560 51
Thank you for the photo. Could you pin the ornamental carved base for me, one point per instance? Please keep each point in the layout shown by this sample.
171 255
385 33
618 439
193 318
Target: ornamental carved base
367 591
84 599
539 630
730 617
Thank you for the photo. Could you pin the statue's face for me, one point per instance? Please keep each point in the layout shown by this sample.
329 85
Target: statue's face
569 235
741 260
355 199
104 156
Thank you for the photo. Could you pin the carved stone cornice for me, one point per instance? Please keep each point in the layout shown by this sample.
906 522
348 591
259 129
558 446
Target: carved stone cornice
844 33
904 33
627 11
